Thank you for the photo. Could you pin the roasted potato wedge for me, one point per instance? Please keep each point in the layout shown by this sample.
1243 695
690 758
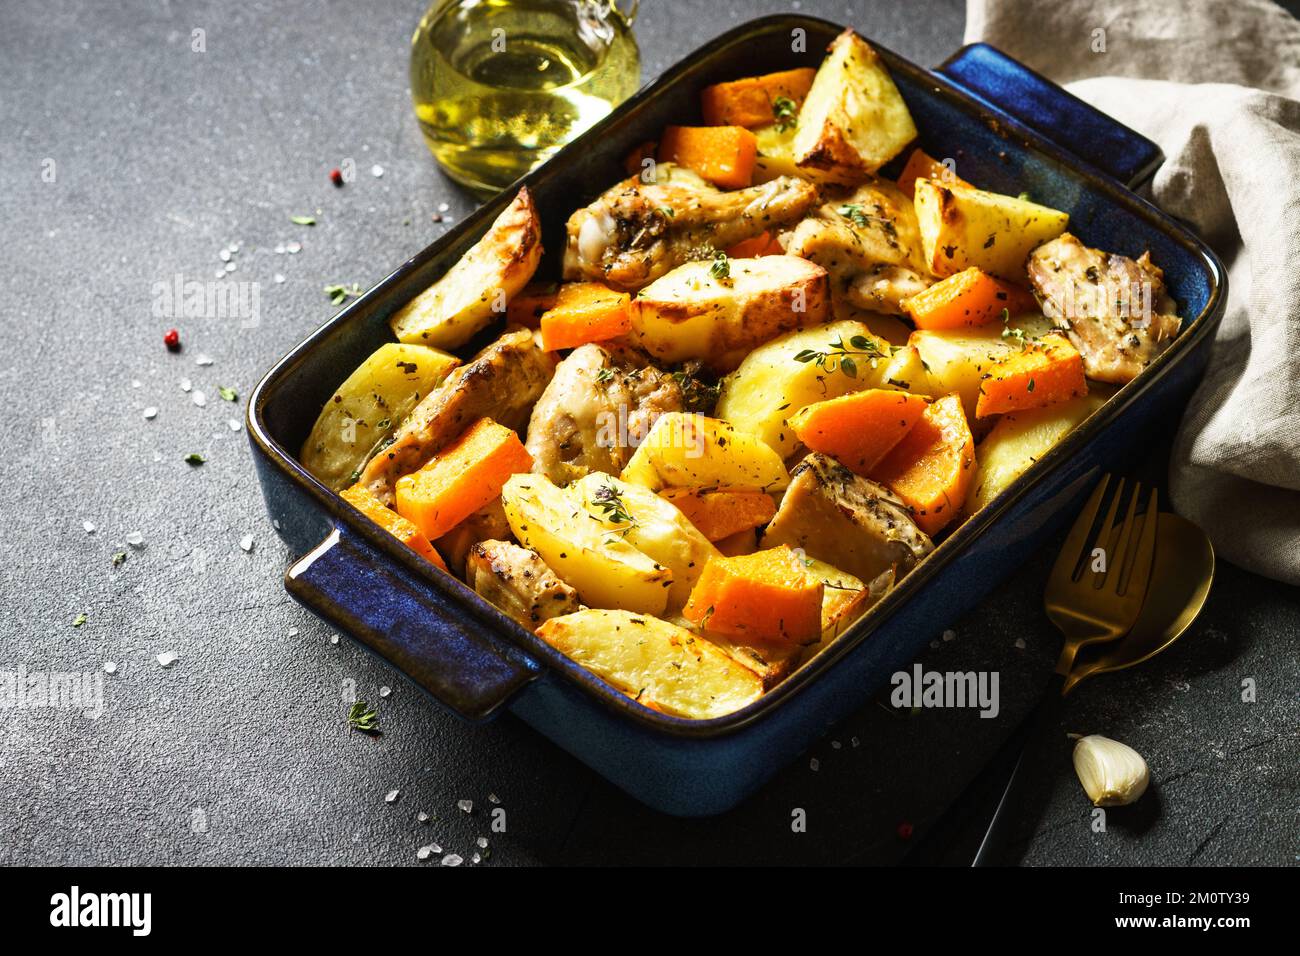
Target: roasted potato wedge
368 407
853 120
774 381
478 288
663 666
698 312
650 524
600 565
962 226
687 450
1021 438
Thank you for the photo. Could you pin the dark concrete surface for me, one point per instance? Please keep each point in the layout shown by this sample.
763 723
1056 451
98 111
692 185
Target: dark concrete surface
238 752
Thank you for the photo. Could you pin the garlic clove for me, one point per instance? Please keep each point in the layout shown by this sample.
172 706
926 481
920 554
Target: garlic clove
1113 774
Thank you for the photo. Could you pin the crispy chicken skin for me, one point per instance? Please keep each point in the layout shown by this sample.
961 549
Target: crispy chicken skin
870 245
850 522
596 410
501 382
636 231
518 582
1114 309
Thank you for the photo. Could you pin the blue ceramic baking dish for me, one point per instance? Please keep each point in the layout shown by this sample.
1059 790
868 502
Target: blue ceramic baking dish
1009 130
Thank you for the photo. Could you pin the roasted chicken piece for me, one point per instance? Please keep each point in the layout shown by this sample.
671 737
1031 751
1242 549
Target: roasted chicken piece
870 245
854 524
518 582
486 523
501 382
1114 309
596 410
637 231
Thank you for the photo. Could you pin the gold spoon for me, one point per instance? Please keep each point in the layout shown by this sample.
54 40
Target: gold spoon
1181 578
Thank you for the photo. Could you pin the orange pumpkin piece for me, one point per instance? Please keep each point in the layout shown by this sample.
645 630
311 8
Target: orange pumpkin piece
585 312
1044 373
969 299
860 428
932 467
753 101
462 478
767 595
531 303
921 165
400 528
720 514
724 155
764 244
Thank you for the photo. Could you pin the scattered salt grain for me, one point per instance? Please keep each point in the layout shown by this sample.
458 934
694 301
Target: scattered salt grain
835 745
451 859
424 852
199 399
950 635
203 360
814 765
221 273
110 667
167 658
89 526
481 843
476 859
279 277
422 817
135 539
293 632
135 383
279 249
246 542
1020 643
230 267
392 796
376 170
293 248
334 638
443 207
186 385
385 691
224 255
150 413
466 806
854 741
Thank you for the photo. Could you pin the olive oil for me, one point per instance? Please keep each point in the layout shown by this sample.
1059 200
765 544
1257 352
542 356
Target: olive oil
500 85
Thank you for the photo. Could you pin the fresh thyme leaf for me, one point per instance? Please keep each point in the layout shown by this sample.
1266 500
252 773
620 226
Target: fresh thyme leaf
667 211
854 213
609 500
721 268
697 394
786 113
302 220
229 394
840 356
79 620
1030 387
194 458
119 559
1024 197
604 374
363 717
1016 336
339 293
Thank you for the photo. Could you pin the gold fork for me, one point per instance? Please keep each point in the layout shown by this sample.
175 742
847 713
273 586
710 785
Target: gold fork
1099 581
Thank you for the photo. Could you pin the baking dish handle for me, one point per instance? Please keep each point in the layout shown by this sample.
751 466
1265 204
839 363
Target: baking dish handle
410 623
1010 87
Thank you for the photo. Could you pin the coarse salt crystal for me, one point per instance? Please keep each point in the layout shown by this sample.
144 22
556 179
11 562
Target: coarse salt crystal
334 638
203 360
246 542
234 424
279 277
376 170
451 859
135 539
385 691
224 255
1020 643
150 413
392 795
422 817
110 667
466 806
89 526
293 248
814 764
167 658
199 399
186 385
950 635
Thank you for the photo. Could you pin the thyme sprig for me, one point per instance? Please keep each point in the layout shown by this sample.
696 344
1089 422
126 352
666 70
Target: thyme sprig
839 356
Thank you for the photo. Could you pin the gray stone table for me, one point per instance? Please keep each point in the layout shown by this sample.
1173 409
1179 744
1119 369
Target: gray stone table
128 159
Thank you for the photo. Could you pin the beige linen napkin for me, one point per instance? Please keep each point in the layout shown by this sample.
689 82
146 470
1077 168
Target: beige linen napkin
1217 84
